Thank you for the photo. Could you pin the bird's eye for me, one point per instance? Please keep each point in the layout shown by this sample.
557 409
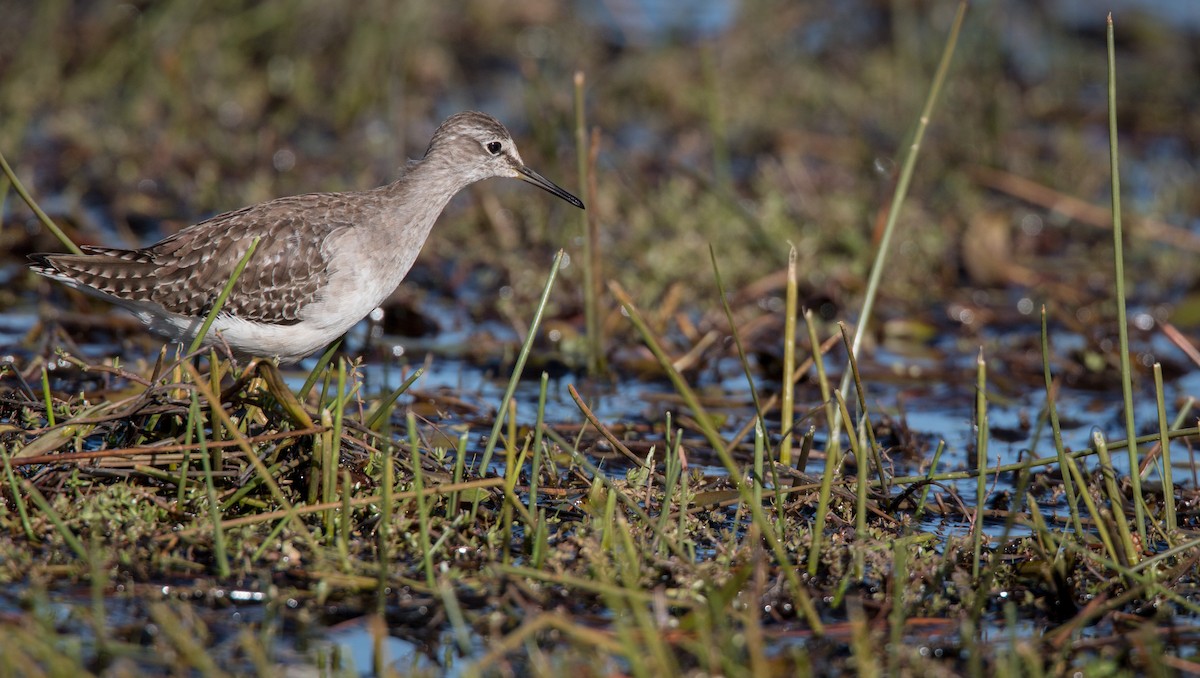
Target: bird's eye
494 147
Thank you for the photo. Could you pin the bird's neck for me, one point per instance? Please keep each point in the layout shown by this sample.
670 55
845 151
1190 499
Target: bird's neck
410 206
422 192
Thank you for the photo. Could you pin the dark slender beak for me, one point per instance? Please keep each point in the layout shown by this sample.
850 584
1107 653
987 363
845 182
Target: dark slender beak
545 184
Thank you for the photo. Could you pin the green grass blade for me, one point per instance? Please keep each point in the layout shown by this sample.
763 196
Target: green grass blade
384 409
220 302
901 192
1119 268
515 378
1165 445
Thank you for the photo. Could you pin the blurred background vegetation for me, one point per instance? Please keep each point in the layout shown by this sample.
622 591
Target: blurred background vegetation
745 125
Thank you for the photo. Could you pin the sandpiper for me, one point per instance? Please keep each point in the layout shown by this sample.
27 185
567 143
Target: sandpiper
324 260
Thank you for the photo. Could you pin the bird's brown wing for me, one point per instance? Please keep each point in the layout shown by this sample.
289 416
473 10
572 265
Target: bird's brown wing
185 273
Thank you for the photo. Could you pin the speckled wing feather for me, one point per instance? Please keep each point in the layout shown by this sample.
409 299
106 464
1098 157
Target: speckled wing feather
185 273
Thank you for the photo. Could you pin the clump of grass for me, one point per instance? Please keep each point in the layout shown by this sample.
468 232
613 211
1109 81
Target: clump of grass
703 550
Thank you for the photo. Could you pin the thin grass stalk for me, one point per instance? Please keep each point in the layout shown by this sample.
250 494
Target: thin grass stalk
515 378
157 474
1150 462
345 524
386 485
681 543
1165 445
1119 269
703 418
184 640
651 471
737 340
42 217
680 491
806 446
1183 414
591 290
610 514
454 613
823 496
865 424
185 465
1116 500
1056 429
535 466
414 444
18 498
672 468
1093 509
981 448
832 447
384 409
210 490
756 487
220 302
1041 529
331 452
214 383
860 479
254 648
779 498
317 458
1157 530
460 462
511 471
866 663
787 402
315 373
177 373
541 540
46 395
901 192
